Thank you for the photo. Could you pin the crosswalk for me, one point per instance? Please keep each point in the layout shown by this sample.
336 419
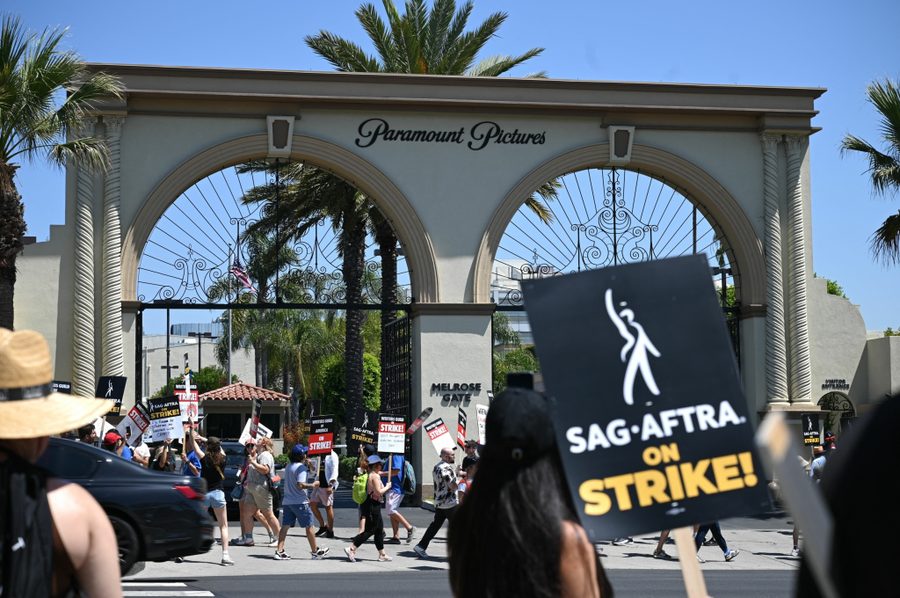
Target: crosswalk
160 589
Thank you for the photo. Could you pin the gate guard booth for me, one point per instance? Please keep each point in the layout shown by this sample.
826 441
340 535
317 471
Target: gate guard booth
449 162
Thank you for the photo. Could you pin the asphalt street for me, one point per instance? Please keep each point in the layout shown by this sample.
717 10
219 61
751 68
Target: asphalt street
763 568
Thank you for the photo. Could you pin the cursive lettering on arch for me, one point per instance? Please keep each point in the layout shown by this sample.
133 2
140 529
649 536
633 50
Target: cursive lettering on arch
476 138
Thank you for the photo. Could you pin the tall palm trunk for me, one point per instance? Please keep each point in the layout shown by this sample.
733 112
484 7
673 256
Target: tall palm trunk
354 247
387 247
12 229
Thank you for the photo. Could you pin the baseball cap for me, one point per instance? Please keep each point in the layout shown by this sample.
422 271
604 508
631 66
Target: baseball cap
519 426
469 462
111 437
299 450
369 449
373 459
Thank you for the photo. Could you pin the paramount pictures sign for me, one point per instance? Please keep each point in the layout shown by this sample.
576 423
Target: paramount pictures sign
476 138
652 427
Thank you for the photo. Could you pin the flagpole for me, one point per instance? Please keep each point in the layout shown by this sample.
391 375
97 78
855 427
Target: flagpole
228 276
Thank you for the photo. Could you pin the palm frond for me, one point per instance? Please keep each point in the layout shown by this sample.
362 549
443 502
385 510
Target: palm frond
885 242
343 55
883 169
885 96
377 31
90 152
494 66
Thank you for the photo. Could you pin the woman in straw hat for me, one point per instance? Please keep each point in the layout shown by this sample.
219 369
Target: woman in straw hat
56 539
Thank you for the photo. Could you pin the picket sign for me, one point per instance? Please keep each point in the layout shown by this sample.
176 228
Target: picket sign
694 583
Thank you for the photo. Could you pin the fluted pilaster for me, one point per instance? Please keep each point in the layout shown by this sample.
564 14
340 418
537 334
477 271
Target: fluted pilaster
83 363
113 350
776 345
800 374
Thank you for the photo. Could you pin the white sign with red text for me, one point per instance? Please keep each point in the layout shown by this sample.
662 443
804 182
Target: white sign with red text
134 424
391 434
439 434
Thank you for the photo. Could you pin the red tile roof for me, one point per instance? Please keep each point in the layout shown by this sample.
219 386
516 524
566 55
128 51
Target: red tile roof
243 392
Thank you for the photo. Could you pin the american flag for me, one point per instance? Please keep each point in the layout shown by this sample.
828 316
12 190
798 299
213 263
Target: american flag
241 275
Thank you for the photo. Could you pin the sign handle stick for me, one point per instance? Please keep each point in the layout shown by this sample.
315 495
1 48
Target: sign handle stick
694 583
390 462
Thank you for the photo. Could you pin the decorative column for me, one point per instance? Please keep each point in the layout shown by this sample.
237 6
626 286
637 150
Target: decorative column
113 350
83 365
800 374
776 346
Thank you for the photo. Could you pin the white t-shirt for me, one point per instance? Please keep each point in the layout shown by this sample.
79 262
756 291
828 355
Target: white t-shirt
142 451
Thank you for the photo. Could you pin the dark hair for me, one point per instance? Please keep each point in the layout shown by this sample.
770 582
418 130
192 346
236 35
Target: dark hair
493 535
86 430
213 453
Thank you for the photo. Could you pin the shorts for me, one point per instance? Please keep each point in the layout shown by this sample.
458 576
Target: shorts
215 499
258 496
392 502
291 514
322 497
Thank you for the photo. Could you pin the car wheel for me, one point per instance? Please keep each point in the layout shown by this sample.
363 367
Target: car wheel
129 545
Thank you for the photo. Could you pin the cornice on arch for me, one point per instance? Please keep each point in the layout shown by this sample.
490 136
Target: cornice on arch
355 170
711 197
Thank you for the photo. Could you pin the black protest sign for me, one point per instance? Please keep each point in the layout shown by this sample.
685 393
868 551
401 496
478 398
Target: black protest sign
363 429
165 419
112 388
810 424
461 429
653 429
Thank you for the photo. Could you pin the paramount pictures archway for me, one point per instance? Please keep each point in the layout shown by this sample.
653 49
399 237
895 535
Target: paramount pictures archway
449 161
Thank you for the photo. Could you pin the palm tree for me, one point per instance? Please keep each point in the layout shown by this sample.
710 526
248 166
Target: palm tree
884 167
418 42
33 68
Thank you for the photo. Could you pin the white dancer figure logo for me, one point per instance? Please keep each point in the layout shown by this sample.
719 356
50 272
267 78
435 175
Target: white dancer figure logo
809 424
109 390
639 347
365 420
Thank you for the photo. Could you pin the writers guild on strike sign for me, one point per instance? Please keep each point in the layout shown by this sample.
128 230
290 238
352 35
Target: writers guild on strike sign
653 429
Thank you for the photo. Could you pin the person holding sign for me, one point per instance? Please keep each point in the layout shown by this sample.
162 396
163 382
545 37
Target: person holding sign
517 533
445 498
323 494
371 508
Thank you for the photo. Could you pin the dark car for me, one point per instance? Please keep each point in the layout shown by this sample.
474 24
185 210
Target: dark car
156 516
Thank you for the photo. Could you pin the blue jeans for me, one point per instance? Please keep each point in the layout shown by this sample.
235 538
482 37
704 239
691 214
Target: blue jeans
716 532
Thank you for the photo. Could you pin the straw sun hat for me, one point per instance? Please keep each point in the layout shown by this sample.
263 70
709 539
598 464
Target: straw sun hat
28 408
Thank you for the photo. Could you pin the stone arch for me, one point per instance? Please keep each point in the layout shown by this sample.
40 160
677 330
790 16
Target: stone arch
748 261
355 170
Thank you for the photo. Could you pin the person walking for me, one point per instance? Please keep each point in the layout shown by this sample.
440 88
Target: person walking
517 532
260 465
393 500
659 552
375 491
445 498
213 471
55 539
323 494
295 507
720 540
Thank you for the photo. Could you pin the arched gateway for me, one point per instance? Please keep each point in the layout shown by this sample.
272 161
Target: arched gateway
448 161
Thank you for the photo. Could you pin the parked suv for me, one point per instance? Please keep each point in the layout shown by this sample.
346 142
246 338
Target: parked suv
157 516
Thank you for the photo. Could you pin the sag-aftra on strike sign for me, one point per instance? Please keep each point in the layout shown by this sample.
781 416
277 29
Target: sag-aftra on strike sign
652 426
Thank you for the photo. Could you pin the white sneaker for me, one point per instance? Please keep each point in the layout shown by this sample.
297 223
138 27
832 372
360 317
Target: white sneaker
731 554
226 560
420 551
320 553
282 556
351 554
795 551
622 541
700 559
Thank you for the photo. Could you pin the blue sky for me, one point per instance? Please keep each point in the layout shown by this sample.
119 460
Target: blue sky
841 46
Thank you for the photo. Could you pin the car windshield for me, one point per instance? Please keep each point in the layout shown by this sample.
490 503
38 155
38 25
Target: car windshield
234 460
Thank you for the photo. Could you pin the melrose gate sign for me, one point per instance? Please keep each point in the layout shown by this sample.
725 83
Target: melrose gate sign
448 161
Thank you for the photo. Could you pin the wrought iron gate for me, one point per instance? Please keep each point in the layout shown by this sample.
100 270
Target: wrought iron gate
396 377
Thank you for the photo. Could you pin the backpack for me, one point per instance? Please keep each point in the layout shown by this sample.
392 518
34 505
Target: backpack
409 479
26 530
359 488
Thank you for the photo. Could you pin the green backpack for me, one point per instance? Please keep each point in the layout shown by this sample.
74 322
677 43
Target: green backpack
359 488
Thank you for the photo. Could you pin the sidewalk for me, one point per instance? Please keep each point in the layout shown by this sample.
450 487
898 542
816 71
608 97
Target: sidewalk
764 544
